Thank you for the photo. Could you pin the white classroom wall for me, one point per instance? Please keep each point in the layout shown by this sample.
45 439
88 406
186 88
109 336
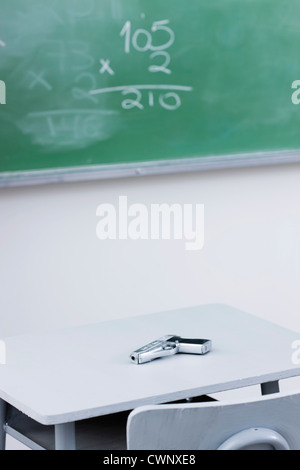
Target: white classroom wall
55 272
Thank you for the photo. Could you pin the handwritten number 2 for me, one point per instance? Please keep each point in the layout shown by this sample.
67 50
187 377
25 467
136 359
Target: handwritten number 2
132 103
164 66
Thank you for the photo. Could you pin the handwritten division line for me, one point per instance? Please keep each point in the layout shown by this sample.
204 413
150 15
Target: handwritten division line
141 87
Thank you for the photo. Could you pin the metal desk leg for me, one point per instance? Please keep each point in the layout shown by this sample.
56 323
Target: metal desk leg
65 436
270 387
2 423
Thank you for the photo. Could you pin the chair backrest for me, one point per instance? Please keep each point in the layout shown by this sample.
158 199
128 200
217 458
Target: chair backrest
270 422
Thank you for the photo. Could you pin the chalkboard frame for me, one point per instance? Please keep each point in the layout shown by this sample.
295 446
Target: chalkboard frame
161 167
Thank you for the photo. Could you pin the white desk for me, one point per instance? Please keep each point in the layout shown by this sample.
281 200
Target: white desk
72 374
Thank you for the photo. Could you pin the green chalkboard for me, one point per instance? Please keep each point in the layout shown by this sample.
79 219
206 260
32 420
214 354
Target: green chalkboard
105 86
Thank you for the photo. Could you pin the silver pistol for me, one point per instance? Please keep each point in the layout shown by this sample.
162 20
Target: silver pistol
168 346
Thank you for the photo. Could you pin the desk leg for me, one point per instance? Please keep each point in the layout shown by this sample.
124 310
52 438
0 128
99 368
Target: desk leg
2 424
65 436
270 387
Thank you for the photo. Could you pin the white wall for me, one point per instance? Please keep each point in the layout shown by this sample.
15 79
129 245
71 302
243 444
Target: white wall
55 272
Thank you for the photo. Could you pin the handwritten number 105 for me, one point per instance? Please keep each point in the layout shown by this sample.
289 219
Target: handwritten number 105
142 40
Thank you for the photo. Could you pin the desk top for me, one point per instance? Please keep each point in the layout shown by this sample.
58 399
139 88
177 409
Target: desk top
85 371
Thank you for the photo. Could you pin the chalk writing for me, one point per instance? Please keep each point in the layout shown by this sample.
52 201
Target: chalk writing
80 93
80 9
68 127
72 58
38 79
70 55
154 41
163 67
170 101
142 40
105 67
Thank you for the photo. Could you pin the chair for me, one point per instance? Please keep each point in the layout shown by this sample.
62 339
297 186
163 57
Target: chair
268 423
